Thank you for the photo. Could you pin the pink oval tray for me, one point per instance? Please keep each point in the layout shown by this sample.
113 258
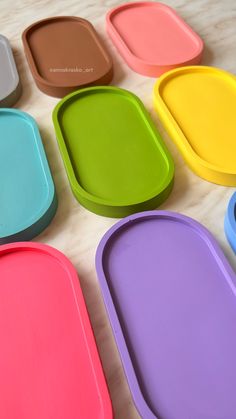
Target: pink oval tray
49 364
152 38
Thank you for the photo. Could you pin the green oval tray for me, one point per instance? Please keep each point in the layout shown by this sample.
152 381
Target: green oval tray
115 159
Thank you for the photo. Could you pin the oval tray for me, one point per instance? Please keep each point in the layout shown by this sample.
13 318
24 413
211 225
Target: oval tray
196 105
114 157
10 86
152 38
170 296
65 53
27 192
50 367
230 222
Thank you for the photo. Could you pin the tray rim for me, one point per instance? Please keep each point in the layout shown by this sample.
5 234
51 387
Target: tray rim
83 316
143 66
163 150
48 211
119 337
201 167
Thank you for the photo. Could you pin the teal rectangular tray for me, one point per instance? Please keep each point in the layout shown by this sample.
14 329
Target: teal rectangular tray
28 199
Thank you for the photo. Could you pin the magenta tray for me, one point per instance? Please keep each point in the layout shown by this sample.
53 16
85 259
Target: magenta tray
49 363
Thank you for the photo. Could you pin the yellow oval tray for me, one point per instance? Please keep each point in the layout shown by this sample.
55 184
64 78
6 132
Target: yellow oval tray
197 106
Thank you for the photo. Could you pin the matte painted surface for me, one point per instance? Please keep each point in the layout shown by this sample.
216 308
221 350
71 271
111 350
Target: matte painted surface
170 296
115 159
27 192
49 362
65 53
10 87
230 222
152 38
197 106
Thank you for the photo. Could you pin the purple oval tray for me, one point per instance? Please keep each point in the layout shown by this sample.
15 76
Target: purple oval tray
170 296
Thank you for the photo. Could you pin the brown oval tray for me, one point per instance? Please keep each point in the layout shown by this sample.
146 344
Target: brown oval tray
64 54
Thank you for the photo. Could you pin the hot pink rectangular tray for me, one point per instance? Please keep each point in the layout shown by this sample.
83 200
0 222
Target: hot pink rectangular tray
49 363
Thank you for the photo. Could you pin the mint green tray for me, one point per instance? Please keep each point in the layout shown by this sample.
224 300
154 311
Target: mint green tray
115 159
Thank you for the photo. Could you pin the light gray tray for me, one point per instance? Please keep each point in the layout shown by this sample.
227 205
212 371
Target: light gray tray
10 86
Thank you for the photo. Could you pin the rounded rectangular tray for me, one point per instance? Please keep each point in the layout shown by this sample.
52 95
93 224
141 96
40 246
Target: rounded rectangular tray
230 222
152 38
114 157
27 192
49 363
197 107
171 299
65 53
10 86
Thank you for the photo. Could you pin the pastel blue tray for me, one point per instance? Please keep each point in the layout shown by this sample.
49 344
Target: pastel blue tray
28 199
230 222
